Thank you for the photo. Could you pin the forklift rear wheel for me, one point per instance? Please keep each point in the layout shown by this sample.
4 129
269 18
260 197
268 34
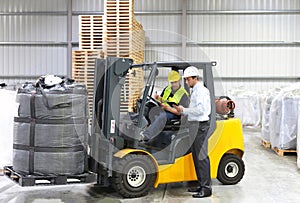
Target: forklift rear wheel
231 169
134 175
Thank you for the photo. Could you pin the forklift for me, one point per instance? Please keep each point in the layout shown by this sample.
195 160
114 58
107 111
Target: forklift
115 154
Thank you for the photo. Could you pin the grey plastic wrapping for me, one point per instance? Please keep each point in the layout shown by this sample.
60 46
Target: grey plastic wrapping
60 128
284 119
54 105
46 163
51 135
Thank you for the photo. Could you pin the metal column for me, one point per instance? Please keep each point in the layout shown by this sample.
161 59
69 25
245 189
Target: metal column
69 39
183 29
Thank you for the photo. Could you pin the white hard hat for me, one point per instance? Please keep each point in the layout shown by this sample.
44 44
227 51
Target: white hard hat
191 71
51 80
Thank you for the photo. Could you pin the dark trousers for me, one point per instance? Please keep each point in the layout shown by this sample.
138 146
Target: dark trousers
158 124
199 140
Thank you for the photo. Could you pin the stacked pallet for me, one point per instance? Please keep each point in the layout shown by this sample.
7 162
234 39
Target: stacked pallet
91 32
117 34
123 34
137 54
83 63
117 26
138 42
125 37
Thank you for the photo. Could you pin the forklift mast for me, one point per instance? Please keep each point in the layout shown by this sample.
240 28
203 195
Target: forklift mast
110 74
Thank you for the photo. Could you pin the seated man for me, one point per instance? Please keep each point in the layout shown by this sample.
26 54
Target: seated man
172 94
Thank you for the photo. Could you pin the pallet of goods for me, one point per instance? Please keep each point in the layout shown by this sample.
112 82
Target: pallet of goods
284 120
298 137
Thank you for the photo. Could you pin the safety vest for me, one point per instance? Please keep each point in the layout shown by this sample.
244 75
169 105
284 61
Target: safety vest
176 97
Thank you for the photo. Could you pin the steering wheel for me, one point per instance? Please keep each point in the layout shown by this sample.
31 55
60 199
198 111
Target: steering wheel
154 100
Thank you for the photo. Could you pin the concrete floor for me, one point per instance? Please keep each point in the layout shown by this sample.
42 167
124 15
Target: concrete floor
268 178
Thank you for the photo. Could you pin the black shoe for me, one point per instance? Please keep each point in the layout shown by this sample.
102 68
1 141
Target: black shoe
204 192
195 189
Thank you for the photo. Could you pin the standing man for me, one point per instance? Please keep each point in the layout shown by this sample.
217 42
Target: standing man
198 114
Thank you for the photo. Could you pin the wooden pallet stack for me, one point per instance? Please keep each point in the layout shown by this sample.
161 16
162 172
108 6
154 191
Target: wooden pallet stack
123 34
137 54
117 27
83 66
125 37
91 32
117 34
138 42
90 48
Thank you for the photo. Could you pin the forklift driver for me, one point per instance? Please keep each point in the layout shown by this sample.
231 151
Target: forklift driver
174 94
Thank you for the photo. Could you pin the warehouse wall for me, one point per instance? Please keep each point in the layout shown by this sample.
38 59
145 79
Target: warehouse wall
255 42
32 39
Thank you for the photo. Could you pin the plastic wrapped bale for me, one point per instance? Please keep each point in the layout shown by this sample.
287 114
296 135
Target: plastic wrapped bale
284 119
8 110
247 107
265 130
50 134
52 104
298 138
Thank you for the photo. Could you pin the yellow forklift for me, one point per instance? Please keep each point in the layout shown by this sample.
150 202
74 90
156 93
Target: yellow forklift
133 170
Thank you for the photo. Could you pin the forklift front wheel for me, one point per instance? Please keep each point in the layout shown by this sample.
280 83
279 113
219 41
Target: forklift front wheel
231 169
134 175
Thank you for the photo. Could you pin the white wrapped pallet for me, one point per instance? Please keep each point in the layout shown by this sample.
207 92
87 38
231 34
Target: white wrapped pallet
284 119
265 129
8 109
247 107
298 138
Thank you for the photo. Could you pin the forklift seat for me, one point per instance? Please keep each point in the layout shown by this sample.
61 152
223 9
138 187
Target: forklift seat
174 124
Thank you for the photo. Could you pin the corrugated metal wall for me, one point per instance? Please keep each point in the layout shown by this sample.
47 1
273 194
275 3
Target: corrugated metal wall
255 42
32 39
32 5
230 5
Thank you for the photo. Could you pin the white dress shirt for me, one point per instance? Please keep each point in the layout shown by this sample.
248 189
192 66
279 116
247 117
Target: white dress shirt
199 107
